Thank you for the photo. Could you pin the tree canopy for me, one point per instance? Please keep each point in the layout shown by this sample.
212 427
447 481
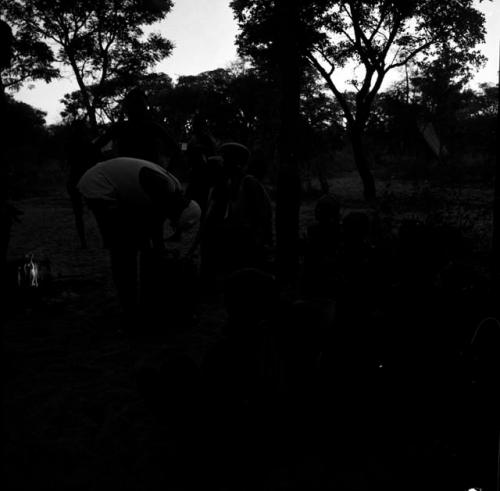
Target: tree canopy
377 35
101 41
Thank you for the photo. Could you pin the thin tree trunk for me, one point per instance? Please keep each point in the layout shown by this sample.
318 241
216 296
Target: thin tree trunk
496 209
85 95
288 185
323 177
361 161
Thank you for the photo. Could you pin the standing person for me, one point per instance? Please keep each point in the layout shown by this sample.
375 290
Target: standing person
248 220
201 147
5 60
7 211
80 156
139 135
321 247
237 228
131 199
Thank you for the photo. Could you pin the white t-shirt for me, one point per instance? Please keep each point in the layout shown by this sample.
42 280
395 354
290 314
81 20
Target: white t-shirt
118 180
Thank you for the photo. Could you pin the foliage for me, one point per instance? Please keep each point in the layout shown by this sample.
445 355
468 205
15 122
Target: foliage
240 103
110 95
236 102
23 140
102 41
29 60
378 35
26 124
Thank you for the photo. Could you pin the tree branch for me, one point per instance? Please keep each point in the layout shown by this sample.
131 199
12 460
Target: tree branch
348 36
392 36
410 56
323 55
332 87
383 13
370 55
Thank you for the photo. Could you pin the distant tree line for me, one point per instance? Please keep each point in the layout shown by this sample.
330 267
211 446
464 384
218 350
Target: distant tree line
104 45
240 105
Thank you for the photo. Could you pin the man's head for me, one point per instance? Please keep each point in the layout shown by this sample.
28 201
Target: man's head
167 202
135 104
235 157
327 210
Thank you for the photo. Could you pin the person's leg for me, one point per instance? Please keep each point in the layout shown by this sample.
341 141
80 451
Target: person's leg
209 256
123 251
77 204
124 271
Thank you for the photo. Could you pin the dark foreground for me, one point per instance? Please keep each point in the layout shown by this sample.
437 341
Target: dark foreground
399 399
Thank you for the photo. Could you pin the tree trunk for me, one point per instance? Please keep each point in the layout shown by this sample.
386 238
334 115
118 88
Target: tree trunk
496 214
361 161
288 185
85 95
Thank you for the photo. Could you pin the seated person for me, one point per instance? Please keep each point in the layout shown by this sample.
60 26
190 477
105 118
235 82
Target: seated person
321 248
241 371
232 368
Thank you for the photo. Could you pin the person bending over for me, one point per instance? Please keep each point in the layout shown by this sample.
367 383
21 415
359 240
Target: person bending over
131 199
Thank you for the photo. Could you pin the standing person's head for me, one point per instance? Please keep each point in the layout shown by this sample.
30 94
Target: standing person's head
202 139
356 226
135 104
235 157
259 164
327 210
199 125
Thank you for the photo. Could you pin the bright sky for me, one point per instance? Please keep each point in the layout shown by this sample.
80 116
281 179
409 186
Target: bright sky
204 31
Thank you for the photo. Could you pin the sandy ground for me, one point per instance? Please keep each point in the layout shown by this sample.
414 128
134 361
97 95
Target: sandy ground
73 419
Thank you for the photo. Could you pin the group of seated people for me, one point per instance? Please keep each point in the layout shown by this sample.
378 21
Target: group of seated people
381 356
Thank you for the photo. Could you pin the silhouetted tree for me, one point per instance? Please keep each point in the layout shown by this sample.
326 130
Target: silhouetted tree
99 40
237 102
290 67
111 93
379 35
496 205
30 60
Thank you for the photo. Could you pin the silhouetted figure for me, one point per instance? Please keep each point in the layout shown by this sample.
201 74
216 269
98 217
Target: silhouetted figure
240 374
139 135
238 226
301 330
173 394
481 421
355 265
8 213
321 244
258 165
200 148
131 199
80 156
